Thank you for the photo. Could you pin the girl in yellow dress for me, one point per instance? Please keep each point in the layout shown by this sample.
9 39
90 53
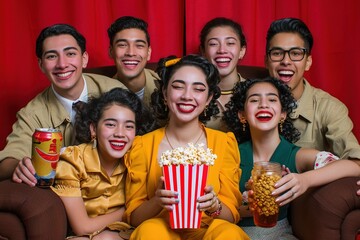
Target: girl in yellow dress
90 177
185 98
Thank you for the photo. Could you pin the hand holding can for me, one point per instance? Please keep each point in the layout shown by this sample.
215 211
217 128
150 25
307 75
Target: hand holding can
46 147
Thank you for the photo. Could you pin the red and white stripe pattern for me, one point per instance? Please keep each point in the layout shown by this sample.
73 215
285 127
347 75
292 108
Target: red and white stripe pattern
189 181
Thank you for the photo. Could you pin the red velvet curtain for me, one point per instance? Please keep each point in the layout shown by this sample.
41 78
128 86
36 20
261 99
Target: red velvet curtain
335 26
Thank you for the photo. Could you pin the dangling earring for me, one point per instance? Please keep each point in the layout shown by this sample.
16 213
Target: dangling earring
243 121
94 142
281 125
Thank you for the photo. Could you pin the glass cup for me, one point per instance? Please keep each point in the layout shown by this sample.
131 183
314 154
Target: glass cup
266 210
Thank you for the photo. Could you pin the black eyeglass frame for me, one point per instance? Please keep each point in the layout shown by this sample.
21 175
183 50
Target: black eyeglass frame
304 50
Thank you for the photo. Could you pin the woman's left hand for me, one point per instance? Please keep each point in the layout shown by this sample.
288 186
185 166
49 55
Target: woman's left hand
208 202
290 187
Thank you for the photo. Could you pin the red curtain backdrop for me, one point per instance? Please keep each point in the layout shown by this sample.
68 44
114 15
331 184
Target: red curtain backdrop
335 26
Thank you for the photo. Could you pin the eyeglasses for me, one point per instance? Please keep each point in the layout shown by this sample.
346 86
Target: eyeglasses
295 54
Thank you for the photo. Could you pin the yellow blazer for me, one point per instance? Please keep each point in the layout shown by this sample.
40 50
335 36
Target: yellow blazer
144 171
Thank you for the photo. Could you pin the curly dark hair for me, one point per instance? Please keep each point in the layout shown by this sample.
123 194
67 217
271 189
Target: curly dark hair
92 111
237 103
166 72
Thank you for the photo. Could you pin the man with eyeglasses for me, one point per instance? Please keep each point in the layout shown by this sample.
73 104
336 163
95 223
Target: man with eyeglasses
322 120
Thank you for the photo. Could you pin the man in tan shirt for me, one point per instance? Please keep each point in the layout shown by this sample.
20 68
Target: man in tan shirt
130 48
322 120
61 53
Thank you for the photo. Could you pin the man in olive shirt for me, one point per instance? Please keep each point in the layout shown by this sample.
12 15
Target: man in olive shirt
61 53
323 122
130 48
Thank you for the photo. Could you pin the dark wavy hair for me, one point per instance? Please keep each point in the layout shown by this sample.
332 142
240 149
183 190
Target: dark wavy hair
221 22
56 30
237 104
92 111
165 73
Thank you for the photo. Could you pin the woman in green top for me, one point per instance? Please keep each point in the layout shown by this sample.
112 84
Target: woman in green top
257 114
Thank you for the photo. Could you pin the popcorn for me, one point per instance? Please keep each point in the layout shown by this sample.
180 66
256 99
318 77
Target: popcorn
193 154
185 170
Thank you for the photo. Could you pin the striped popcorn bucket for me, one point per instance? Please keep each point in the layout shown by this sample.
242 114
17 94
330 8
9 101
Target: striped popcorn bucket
189 181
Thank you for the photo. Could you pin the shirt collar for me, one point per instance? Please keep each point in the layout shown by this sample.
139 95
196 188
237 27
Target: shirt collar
305 108
68 104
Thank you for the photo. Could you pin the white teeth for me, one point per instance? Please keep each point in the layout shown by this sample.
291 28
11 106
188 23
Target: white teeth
263 115
186 107
222 60
286 72
118 144
131 62
64 74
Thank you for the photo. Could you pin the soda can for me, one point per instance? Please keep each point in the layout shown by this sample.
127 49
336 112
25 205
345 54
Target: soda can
46 145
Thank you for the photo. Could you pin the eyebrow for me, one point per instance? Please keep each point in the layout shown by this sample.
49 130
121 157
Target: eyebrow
115 120
280 48
64 50
183 82
258 95
126 40
227 38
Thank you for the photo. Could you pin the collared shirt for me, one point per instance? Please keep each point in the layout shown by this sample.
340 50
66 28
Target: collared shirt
68 104
79 174
45 111
324 123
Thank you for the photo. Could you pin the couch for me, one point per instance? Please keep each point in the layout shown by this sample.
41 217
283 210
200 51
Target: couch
328 212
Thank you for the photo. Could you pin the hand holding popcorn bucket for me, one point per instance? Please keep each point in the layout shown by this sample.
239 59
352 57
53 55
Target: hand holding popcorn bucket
185 171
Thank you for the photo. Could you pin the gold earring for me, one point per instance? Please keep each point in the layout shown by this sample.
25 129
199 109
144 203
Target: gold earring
281 125
243 121
244 126
94 142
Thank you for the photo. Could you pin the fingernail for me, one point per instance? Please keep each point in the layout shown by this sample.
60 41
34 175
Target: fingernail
177 200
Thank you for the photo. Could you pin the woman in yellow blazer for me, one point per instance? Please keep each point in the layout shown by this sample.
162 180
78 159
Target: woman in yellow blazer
185 98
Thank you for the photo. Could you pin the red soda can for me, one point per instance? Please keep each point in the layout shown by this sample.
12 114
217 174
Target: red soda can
46 145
